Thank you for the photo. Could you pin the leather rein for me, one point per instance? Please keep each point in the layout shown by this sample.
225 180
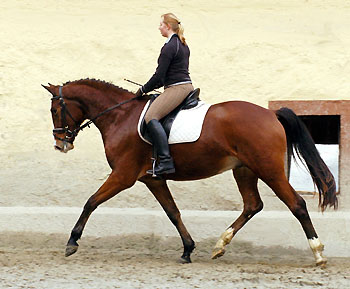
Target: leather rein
71 134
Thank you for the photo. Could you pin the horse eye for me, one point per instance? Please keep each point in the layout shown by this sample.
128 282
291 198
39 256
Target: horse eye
54 111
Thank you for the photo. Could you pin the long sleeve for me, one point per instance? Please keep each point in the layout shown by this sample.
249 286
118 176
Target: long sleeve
158 78
172 65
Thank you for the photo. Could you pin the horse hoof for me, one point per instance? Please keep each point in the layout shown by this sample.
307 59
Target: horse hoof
70 250
322 263
217 252
185 260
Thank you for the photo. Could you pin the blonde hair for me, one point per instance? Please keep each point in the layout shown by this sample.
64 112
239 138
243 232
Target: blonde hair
175 24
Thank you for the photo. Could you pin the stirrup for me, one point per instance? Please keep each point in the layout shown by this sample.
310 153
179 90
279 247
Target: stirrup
152 171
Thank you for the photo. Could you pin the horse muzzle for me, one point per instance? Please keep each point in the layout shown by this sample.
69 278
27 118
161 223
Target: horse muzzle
63 146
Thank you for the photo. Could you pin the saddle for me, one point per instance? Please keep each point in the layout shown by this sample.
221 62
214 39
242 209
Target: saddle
189 102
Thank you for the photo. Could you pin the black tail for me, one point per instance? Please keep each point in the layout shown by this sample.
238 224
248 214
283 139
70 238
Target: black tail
299 138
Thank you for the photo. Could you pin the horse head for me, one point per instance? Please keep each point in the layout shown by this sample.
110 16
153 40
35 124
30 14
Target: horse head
67 115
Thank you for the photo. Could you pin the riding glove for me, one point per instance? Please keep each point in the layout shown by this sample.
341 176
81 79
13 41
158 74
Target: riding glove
139 92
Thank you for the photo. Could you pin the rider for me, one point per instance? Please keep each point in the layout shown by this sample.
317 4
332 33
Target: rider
172 73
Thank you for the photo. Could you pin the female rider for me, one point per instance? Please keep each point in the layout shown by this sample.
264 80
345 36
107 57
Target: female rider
172 73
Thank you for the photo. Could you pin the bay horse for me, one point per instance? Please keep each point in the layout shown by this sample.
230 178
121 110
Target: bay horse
240 136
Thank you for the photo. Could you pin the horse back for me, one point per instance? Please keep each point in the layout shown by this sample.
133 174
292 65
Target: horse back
245 127
245 118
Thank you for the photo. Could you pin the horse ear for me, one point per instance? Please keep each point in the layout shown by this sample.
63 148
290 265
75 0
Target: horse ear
48 88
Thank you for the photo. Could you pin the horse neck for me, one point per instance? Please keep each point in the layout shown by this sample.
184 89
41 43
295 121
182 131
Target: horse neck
95 101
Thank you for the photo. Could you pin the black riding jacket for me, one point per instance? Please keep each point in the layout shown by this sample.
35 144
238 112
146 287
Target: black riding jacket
172 65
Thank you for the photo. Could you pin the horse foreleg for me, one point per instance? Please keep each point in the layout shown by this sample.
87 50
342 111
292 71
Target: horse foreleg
247 184
112 186
160 190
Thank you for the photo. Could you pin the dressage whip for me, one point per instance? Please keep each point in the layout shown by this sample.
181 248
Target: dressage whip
133 82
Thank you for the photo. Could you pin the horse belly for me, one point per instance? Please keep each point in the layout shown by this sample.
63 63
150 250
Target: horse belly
205 168
228 163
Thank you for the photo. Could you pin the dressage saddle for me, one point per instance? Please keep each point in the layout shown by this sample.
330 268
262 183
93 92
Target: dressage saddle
189 102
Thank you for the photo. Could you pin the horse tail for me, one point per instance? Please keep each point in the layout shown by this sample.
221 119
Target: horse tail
300 143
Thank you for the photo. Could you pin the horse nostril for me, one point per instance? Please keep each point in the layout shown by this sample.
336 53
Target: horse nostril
58 148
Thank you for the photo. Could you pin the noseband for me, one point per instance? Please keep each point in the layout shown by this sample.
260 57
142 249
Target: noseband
71 134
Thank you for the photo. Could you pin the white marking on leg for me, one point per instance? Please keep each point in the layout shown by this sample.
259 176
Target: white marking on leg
317 248
225 239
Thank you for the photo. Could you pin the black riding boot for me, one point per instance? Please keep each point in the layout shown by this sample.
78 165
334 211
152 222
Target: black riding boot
160 141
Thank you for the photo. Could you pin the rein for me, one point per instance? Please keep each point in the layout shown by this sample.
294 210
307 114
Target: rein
64 110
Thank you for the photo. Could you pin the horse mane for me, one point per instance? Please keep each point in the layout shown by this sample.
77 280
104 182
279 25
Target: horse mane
98 84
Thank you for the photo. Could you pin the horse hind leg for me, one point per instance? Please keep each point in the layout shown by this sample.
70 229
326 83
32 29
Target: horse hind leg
247 183
297 206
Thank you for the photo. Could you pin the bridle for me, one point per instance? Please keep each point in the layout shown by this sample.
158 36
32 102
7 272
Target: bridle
71 134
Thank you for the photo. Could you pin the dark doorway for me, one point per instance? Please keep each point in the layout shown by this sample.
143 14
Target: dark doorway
324 129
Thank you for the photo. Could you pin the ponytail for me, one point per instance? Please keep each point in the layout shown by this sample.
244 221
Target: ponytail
181 33
175 24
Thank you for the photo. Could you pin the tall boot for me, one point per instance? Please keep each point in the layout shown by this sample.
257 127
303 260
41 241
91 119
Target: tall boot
160 141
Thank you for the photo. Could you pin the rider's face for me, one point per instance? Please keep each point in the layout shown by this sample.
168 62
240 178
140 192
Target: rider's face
164 28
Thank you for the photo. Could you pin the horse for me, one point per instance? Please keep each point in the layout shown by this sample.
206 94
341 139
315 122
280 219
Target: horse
248 139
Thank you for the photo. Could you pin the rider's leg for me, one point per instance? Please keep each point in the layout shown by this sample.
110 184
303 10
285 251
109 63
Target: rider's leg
160 141
162 105
168 101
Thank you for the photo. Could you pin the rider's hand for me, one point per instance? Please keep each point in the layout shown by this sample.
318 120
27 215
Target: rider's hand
139 92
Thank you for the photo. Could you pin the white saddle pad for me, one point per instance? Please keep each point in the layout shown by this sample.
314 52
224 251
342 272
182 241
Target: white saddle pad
187 125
